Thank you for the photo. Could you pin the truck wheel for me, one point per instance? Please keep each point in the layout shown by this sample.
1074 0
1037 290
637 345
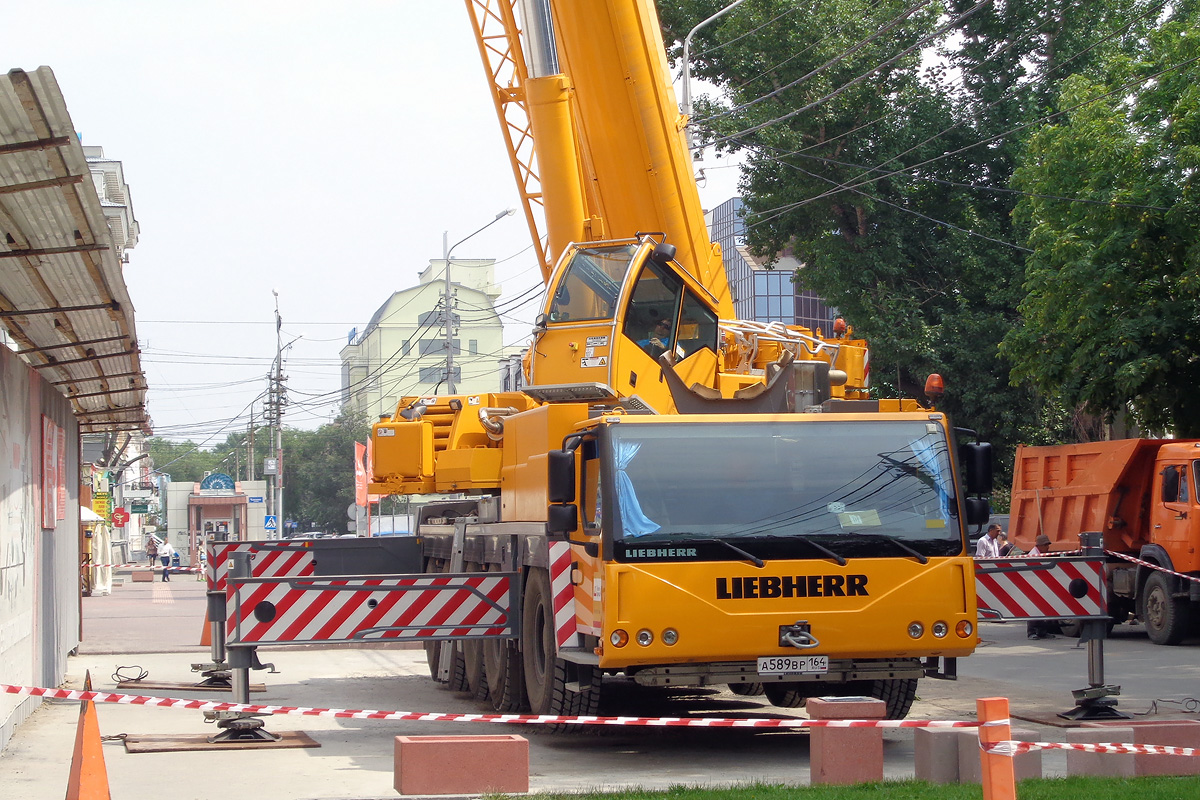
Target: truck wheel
1166 617
546 675
792 695
898 694
503 675
746 689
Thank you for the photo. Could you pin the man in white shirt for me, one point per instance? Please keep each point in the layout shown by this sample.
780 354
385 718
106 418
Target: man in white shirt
988 547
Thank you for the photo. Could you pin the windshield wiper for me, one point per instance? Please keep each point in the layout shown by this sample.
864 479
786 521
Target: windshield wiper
753 559
840 560
679 538
917 554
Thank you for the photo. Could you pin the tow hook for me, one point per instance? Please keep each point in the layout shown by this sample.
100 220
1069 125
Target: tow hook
798 636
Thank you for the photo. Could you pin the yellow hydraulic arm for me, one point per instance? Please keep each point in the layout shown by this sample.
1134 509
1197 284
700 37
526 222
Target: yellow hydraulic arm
593 128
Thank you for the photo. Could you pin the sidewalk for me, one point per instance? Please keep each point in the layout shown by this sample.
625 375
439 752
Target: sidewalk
156 627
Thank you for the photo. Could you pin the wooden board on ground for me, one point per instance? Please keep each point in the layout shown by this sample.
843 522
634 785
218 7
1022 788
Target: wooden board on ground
169 686
180 742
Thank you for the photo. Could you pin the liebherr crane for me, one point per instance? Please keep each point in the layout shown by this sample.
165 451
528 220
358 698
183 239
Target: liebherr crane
688 498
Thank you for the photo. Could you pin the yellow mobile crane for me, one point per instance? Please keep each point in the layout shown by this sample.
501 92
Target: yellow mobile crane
688 499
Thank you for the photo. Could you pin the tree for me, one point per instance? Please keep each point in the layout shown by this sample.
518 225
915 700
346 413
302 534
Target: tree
182 461
1111 319
319 471
890 181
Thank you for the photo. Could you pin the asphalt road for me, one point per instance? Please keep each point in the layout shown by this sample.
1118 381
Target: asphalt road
156 627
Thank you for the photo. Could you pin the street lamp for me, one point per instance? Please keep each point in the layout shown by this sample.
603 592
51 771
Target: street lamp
449 327
687 72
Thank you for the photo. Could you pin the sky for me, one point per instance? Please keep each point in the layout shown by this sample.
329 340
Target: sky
315 149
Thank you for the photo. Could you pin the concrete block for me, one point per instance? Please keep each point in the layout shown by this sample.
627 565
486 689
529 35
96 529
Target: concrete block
935 752
461 764
970 768
142 576
1172 733
845 755
1111 765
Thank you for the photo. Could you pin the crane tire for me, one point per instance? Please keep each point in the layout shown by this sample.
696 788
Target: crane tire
546 675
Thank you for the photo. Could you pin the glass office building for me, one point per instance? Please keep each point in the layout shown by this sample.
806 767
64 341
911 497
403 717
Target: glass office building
760 294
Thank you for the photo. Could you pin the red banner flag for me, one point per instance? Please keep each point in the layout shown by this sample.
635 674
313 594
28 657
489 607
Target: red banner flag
360 474
372 498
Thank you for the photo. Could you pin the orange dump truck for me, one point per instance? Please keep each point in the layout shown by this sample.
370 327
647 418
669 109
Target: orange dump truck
1142 495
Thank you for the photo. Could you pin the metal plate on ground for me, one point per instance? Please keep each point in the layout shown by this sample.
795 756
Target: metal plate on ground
180 742
167 686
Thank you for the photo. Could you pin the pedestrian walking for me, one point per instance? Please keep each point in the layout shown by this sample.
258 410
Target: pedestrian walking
152 549
988 547
165 554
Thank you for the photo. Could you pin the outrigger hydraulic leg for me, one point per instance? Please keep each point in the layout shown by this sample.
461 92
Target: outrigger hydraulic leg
216 673
1095 702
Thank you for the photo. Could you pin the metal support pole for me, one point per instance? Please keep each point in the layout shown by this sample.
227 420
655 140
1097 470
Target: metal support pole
446 657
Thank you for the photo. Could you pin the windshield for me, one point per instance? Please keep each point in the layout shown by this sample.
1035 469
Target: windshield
788 489
591 283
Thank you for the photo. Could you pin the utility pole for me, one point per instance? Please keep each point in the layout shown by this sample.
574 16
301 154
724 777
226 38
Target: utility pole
447 299
448 317
279 400
250 448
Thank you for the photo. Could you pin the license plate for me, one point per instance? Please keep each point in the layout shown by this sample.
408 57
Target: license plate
793 665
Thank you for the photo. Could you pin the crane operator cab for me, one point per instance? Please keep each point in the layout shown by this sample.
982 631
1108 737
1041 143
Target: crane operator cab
613 309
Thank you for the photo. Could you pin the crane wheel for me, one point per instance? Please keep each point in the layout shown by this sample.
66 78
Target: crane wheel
546 675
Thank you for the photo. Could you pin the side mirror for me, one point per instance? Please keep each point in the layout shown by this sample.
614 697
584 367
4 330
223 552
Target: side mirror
976 460
979 511
562 519
560 476
663 253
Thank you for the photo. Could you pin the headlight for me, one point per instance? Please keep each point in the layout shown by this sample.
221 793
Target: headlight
940 629
670 636
645 637
916 630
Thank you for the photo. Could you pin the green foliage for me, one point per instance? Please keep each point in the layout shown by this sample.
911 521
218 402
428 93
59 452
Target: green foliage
319 472
896 194
318 467
183 461
1111 319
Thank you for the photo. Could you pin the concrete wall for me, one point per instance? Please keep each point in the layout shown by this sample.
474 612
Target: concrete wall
39 566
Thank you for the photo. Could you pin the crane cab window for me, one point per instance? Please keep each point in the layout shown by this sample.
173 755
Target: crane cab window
653 309
697 327
591 283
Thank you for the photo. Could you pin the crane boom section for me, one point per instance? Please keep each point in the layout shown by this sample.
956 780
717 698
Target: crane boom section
638 171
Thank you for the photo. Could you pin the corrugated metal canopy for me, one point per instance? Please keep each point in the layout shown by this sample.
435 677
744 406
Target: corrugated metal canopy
62 294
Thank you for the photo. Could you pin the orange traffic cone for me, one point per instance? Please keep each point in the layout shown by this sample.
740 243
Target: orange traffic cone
206 632
89 776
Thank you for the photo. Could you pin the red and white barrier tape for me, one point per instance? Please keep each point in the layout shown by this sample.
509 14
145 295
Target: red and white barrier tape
521 719
1152 566
1013 748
